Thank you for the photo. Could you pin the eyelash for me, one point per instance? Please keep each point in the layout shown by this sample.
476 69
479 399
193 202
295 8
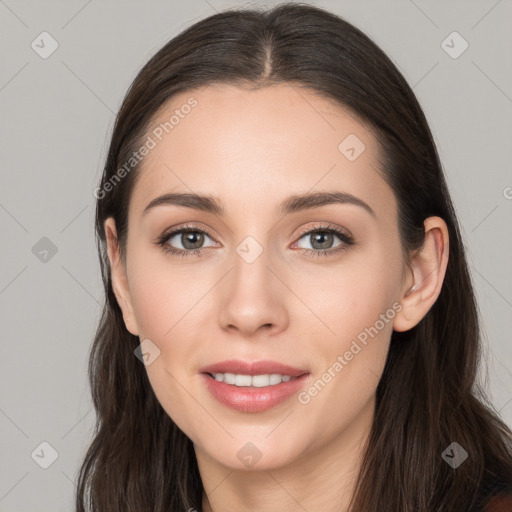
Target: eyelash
347 241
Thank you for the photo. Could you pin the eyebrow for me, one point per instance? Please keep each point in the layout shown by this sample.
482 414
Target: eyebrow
292 204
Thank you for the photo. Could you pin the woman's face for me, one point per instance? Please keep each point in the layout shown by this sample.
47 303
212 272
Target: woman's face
262 277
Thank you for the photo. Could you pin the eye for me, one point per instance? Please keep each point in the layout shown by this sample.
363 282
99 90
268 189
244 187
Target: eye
322 238
189 241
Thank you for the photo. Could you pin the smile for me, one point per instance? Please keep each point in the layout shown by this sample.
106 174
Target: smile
257 381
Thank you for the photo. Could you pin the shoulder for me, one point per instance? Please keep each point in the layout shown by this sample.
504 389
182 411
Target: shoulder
500 502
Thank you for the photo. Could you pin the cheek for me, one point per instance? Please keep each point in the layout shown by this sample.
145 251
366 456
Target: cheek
351 296
356 303
161 293
170 307
154 305
163 307
167 312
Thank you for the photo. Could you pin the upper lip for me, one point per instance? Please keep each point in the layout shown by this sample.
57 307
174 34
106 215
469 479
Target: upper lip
238 366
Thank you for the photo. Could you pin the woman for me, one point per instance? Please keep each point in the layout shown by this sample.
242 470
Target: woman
289 321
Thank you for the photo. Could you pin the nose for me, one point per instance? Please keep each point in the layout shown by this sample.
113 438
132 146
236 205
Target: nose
253 298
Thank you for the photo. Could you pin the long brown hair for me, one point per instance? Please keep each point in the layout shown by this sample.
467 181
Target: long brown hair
428 396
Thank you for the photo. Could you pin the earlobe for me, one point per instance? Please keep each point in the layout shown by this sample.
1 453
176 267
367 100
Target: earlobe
119 277
428 269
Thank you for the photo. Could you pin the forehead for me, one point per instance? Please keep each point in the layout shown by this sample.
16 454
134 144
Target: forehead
246 146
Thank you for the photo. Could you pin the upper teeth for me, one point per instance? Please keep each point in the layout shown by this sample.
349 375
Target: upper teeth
258 381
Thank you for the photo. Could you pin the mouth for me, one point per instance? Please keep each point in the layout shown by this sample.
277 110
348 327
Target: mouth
253 386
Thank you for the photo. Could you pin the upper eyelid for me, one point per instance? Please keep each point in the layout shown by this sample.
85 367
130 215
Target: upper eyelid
326 227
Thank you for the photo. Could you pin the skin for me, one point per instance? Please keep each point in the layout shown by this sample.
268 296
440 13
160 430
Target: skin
253 149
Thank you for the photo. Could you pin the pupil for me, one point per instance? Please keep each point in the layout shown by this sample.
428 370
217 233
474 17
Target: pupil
325 236
189 237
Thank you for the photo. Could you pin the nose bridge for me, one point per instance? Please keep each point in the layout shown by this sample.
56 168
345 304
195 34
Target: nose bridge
251 294
250 276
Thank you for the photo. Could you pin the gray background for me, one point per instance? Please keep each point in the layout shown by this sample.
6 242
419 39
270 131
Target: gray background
57 115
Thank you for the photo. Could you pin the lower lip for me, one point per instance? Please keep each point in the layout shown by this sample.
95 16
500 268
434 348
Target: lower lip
252 399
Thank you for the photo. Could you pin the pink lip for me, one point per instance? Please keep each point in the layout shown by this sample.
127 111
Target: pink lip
252 368
253 399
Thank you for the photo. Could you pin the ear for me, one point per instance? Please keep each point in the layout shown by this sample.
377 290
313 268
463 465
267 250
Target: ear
119 277
428 268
